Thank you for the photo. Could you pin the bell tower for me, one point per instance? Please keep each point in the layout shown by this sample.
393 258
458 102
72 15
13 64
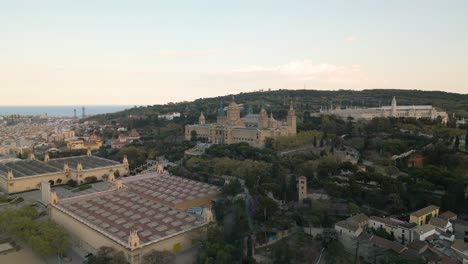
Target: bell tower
394 107
53 198
66 168
10 175
133 240
291 120
263 119
302 188
202 119
46 157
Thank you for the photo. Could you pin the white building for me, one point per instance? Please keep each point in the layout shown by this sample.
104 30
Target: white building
408 111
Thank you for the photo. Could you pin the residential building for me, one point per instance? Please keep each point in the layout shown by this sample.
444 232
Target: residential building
460 248
460 229
350 229
449 215
441 224
123 140
169 116
403 232
424 232
424 215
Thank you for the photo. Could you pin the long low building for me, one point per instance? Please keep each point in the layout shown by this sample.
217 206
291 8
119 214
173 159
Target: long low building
139 214
25 175
394 110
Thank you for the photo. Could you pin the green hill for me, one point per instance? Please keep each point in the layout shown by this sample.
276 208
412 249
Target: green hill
304 101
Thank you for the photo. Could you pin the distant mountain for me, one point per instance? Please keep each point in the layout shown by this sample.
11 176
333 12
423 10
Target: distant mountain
303 100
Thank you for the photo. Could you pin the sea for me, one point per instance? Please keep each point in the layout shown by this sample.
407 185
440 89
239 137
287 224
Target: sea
62 110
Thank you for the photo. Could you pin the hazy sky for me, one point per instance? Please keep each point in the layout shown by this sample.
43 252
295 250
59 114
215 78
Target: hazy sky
147 52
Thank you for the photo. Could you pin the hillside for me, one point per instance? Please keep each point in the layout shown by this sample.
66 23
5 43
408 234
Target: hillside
304 101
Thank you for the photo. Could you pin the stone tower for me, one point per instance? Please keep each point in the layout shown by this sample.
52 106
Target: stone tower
233 112
53 198
221 117
10 175
79 167
394 107
45 192
263 119
133 240
291 120
302 188
88 153
32 157
202 119
46 157
207 215
66 168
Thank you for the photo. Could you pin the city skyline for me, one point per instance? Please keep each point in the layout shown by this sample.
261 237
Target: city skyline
126 53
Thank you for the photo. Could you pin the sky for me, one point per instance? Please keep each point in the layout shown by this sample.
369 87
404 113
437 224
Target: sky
69 52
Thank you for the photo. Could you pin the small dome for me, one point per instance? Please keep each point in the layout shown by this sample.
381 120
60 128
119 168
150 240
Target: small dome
233 105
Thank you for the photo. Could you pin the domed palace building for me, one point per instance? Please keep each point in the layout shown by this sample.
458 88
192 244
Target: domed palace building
253 129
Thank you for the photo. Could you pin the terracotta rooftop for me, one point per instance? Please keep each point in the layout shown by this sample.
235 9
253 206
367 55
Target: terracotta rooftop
116 213
438 222
385 221
88 162
424 211
25 168
449 215
354 222
169 190
418 245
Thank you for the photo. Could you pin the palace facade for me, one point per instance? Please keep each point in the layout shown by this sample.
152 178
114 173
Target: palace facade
24 175
253 129
407 111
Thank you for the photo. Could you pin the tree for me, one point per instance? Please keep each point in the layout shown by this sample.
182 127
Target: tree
51 182
107 255
315 141
59 181
45 237
72 183
457 143
466 140
159 257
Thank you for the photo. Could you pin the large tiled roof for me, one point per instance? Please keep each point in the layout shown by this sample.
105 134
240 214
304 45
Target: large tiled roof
169 190
438 222
424 211
116 213
354 222
385 221
449 215
24 168
88 162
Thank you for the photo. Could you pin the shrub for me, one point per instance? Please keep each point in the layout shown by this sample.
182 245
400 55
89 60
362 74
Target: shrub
51 182
72 183
58 181
90 179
